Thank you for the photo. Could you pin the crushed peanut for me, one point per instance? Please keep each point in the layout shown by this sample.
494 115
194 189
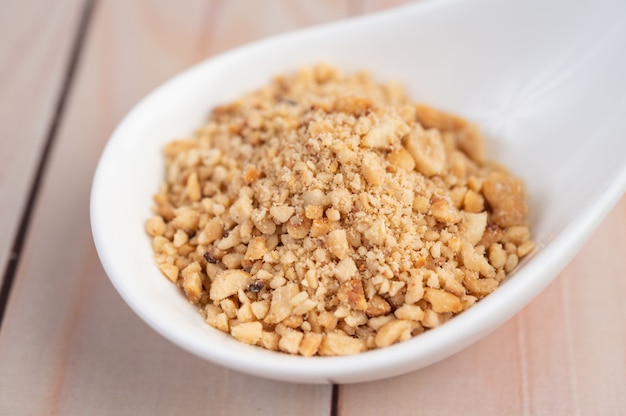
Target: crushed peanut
327 215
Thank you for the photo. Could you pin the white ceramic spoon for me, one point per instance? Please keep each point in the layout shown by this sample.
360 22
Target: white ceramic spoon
545 79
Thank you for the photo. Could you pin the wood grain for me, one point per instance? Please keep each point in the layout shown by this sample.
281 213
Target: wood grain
36 41
564 354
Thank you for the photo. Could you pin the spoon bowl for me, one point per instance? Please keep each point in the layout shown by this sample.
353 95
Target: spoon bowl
544 80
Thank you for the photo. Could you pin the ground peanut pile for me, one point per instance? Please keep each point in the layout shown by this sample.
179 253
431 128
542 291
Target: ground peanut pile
327 215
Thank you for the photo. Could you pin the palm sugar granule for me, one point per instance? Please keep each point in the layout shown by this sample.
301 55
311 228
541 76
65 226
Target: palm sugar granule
328 215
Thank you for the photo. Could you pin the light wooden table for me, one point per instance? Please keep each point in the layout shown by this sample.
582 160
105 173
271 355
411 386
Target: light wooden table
69 71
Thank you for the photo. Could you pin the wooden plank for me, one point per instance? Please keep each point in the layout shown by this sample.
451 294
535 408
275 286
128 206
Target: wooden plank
562 355
36 43
68 344
371 6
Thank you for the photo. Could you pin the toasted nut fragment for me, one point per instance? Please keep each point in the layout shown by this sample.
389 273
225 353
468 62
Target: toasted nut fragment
432 319
293 321
436 119
290 341
231 240
492 234
320 227
505 195
345 269
216 318
475 261
372 170
376 233
159 243
170 271
351 293
421 204
186 220
473 202
497 255
341 199
269 340
212 231
304 307
400 159
245 314
192 282
185 249
299 298
328 320
427 150
443 211
468 301
337 243
260 308
315 197
263 222
277 281
395 288
180 238
414 290
385 132
228 283
473 227
175 147
525 248
298 227
251 174
479 287
410 312
470 141
516 235
511 262
377 322
313 212
345 155
155 226
281 213
310 344
212 270
232 260
442 301
355 319
342 311
377 306
392 332
333 214
241 210
213 255
193 187
245 231
457 162
456 196
451 284
352 105
229 307
263 275
256 249
338 343
248 332
280 306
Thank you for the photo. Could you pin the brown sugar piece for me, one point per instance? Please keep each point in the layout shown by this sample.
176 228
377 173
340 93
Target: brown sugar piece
328 214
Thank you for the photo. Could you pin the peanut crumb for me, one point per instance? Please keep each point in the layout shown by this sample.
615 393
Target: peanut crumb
328 214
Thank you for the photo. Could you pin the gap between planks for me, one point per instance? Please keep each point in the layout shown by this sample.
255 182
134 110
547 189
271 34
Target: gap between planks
20 237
